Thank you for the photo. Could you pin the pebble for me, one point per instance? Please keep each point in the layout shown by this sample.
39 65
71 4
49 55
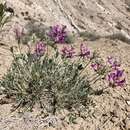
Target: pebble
128 108
127 124
128 116
114 119
128 102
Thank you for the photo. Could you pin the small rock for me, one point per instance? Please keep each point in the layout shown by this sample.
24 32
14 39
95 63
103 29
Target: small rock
128 116
127 124
128 102
5 100
81 128
116 128
114 119
114 113
63 114
128 108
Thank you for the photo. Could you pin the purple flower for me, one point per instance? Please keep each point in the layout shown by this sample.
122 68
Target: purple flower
116 78
84 51
113 62
19 32
68 52
40 48
58 33
96 66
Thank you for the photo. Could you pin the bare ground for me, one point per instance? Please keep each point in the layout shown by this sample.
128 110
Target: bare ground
100 17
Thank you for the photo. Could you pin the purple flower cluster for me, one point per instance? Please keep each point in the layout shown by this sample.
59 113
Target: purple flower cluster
40 48
68 52
84 51
96 66
113 62
116 76
58 33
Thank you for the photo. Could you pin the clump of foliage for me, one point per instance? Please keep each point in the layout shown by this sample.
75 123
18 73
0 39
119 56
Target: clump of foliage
56 80
4 18
57 34
35 78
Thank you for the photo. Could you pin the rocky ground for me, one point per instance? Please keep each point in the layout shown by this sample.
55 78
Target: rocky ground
109 20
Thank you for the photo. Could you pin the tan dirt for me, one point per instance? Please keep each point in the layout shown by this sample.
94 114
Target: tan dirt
101 17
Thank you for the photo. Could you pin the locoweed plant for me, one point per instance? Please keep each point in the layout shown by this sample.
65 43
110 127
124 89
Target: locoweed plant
56 80
57 34
47 80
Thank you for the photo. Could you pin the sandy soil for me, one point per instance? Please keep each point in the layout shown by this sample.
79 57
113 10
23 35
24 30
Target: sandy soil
103 17
111 111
